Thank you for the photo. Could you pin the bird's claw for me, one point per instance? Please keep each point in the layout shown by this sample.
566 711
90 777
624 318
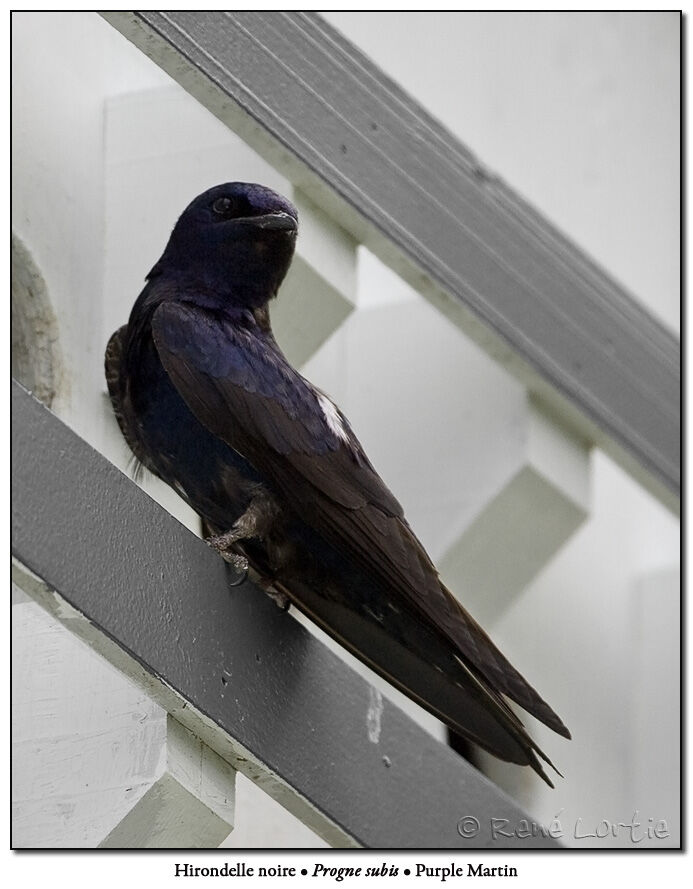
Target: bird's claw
221 544
242 568
281 600
240 563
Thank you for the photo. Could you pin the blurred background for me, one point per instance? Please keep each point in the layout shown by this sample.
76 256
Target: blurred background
577 581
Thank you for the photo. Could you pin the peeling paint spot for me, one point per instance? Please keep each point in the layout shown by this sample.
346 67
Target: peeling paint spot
373 717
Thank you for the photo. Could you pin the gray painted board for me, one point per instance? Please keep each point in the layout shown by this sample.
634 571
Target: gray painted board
252 682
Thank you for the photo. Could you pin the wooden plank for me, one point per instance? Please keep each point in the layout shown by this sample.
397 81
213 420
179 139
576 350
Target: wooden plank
245 677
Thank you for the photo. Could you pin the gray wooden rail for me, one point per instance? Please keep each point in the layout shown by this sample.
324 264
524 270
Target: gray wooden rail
359 146
244 676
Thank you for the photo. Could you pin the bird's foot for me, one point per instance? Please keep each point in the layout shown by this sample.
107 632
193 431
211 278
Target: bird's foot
281 600
222 544
239 565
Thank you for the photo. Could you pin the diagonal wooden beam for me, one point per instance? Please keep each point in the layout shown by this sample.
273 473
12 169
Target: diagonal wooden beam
247 679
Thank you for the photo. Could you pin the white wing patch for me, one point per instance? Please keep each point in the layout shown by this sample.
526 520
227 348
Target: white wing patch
332 416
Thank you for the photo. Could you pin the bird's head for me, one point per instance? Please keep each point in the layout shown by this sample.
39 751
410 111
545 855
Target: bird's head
237 240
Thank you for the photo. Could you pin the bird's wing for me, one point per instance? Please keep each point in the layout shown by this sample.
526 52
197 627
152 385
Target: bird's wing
243 390
112 363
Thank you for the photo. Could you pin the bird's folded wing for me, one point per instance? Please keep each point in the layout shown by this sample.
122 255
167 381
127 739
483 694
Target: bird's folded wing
239 385
112 366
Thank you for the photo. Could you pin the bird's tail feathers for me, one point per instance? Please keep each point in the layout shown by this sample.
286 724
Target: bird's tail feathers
498 671
457 695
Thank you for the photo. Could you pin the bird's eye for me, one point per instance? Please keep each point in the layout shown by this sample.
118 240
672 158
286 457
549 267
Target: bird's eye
222 206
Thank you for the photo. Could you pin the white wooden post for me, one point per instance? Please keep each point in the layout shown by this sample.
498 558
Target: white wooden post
527 520
189 803
656 724
96 761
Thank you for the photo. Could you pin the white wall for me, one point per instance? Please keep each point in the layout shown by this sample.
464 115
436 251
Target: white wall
579 114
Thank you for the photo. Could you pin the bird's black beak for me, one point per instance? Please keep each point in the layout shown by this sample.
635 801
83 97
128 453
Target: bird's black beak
278 221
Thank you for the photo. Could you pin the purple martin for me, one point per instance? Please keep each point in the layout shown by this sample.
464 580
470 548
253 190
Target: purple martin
207 401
